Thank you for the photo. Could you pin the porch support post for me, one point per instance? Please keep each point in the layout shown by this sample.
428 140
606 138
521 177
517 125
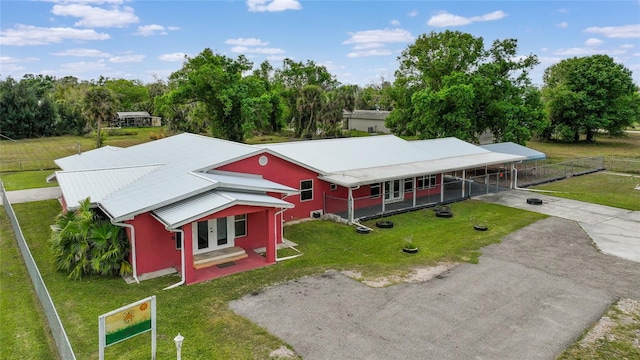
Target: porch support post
350 207
187 245
414 191
464 173
271 235
441 187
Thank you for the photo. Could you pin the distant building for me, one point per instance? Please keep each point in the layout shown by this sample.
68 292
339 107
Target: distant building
135 119
371 121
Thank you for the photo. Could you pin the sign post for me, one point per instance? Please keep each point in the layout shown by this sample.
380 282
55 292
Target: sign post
128 321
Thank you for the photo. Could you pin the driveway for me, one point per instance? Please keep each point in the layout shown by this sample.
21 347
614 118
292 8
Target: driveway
22 196
615 231
529 297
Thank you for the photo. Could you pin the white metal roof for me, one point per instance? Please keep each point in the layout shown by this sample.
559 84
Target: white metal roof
240 181
196 207
334 155
97 184
515 149
378 174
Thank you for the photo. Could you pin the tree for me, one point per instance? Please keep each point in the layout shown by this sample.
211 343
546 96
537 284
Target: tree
99 105
131 95
88 244
584 95
447 84
223 96
27 108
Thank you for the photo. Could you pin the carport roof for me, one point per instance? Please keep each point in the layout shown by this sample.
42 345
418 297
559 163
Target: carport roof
384 173
515 149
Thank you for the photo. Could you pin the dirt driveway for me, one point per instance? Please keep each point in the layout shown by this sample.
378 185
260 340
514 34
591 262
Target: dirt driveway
528 298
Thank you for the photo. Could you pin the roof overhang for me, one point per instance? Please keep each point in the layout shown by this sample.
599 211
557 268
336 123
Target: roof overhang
197 207
359 177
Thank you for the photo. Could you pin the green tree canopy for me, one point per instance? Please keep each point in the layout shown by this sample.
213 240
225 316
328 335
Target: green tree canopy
447 84
226 101
584 95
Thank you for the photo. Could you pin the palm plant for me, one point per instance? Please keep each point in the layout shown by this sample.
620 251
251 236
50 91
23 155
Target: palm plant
85 244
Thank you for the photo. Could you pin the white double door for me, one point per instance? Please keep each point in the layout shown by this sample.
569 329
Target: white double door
393 191
214 234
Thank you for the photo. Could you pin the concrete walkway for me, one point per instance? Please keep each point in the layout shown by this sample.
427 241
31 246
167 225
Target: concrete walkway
614 231
22 196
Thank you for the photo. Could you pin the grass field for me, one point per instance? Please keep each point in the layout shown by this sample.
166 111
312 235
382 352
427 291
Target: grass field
200 312
24 332
616 147
599 188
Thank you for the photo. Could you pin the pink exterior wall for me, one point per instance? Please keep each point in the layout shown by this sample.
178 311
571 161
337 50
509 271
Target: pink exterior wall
156 246
285 173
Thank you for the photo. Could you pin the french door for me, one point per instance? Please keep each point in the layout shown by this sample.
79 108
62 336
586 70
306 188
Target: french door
214 234
393 191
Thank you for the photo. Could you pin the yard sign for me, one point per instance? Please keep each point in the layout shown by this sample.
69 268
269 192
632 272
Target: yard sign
128 321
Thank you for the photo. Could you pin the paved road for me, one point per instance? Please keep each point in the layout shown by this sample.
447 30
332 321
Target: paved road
615 231
528 298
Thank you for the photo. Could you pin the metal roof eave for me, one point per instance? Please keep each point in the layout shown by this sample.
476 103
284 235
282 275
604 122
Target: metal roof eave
232 203
342 178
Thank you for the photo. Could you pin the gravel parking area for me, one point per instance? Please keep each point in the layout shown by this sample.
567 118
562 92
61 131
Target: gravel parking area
528 298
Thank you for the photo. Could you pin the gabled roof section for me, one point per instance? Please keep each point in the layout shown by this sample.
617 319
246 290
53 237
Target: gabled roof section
97 184
515 149
201 205
245 182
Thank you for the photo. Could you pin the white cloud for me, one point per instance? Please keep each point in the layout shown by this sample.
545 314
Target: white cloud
257 50
563 11
126 59
444 19
273 58
153 29
82 52
413 13
372 52
95 2
84 66
373 42
331 66
620 32
24 35
174 57
563 24
173 28
91 16
395 22
627 46
273 5
593 42
379 36
586 51
246 42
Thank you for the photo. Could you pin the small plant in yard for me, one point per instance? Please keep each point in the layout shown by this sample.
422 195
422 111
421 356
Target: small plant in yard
408 245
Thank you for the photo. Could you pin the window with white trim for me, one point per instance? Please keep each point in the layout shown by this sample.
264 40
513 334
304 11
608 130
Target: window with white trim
375 190
426 182
306 190
177 236
333 187
240 223
408 185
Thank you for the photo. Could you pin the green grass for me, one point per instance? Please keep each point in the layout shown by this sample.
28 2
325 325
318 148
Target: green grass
627 147
200 312
599 188
26 180
24 332
617 342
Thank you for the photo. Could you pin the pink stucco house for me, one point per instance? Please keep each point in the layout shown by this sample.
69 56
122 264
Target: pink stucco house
195 204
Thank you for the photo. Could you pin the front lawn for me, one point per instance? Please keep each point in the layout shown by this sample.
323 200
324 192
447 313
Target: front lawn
599 188
200 312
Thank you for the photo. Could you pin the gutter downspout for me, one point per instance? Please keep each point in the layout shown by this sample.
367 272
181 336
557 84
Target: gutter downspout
133 247
184 267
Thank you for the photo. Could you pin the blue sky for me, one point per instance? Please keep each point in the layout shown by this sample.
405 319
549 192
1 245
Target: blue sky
358 41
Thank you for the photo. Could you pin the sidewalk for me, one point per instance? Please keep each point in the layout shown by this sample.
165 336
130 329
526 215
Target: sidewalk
22 196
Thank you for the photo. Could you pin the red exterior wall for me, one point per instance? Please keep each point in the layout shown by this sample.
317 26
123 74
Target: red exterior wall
156 246
285 173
